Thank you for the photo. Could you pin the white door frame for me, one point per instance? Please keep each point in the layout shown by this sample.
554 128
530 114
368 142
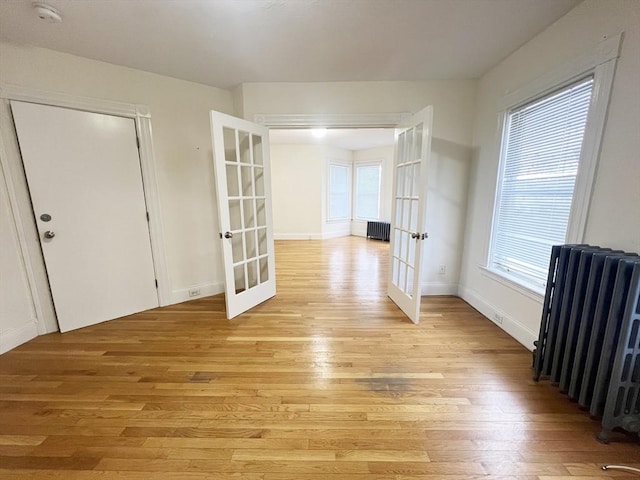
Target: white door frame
339 120
20 203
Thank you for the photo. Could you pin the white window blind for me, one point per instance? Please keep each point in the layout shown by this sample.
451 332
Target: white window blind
368 192
339 194
541 154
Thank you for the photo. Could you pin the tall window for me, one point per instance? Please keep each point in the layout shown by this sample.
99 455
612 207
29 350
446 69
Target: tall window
339 192
368 192
541 150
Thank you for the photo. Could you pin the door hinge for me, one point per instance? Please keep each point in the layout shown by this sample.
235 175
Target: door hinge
148 219
156 283
221 235
424 236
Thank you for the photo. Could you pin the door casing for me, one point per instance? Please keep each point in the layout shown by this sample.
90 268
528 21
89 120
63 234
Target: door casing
19 200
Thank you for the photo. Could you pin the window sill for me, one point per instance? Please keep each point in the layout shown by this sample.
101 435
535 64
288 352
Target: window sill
512 283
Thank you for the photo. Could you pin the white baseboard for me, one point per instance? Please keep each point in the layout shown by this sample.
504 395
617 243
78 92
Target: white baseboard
358 228
339 233
514 328
206 290
311 236
437 288
297 236
12 337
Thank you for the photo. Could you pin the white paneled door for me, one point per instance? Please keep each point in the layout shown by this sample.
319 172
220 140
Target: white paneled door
243 185
85 182
408 222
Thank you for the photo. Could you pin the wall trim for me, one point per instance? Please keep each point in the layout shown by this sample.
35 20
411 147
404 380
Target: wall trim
599 61
206 290
20 239
438 288
511 326
21 206
12 337
308 120
342 232
512 284
297 236
566 73
311 236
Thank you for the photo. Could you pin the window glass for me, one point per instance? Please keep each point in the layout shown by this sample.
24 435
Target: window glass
541 152
339 192
368 192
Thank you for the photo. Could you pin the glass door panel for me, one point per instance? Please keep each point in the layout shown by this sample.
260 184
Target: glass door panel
241 164
412 152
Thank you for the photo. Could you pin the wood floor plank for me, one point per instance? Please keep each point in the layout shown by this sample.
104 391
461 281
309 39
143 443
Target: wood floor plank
326 381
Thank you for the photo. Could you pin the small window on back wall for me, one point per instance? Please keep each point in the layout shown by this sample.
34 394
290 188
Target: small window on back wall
541 152
368 192
339 192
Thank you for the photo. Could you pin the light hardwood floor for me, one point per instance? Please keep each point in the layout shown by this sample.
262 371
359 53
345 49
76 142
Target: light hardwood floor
325 381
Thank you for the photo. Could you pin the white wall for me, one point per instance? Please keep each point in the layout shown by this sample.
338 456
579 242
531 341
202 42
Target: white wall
614 216
299 182
446 216
296 186
182 144
453 101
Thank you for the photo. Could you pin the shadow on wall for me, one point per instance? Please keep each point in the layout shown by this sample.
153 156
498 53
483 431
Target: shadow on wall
446 216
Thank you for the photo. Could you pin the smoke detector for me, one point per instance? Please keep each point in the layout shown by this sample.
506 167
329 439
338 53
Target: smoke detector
47 12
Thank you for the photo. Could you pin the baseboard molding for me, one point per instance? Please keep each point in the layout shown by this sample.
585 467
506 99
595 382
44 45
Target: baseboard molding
340 233
437 288
206 290
297 236
12 337
359 228
311 236
514 328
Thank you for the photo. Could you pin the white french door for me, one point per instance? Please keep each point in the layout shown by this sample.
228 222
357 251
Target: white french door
411 163
243 185
85 183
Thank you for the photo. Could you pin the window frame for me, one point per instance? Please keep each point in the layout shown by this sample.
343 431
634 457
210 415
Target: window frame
599 63
356 166
349 167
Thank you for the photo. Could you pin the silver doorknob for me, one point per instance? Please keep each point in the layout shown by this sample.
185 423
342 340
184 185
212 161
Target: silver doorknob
228 235
49 234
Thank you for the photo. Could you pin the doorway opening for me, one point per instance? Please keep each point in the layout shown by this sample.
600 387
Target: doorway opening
330 183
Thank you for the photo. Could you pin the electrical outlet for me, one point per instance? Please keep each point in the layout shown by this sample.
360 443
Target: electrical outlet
194 292
442 270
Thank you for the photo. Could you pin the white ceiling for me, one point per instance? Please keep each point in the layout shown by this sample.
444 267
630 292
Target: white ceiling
347 138
228 42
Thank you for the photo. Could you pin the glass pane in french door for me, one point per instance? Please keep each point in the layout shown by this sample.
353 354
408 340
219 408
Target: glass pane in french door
246 197
406 208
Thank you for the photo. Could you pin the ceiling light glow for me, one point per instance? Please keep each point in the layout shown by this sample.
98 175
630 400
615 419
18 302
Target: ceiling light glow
318 132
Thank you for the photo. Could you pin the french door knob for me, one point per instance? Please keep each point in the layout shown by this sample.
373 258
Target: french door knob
49 234
228 235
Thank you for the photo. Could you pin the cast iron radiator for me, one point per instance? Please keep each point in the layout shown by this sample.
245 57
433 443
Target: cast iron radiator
378 230
589 342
